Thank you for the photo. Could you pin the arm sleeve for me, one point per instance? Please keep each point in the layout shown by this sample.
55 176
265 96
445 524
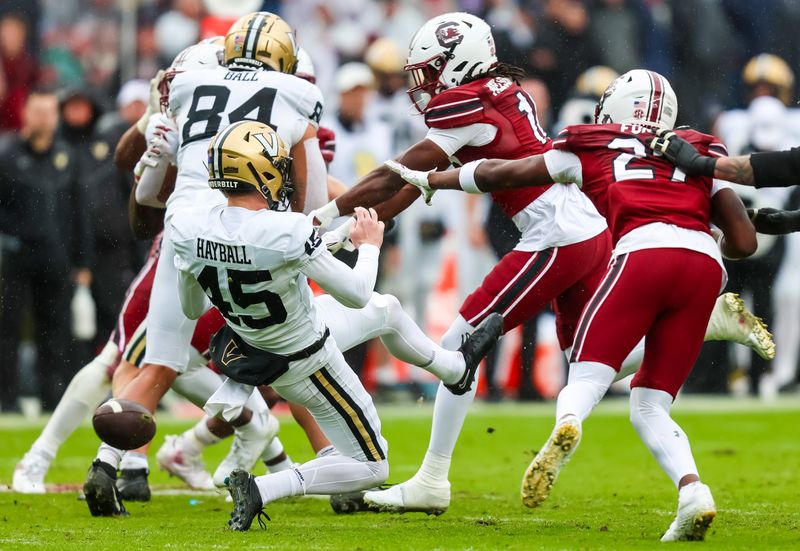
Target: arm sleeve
451 140
564 167
194 301
776 168
353 288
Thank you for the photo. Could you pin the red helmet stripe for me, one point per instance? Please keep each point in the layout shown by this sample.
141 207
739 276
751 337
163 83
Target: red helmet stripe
656 97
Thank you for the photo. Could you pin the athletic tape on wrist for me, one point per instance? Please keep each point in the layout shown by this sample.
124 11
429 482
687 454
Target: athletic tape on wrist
466 177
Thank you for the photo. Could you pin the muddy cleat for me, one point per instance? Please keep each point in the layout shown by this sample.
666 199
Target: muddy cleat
247 503
101 492
696 512
132 485
732 321
29 474
353 502
189 467
542 472
246 449
411 496
474 349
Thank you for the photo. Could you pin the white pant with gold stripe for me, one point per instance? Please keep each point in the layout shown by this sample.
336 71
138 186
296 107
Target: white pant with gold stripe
342 407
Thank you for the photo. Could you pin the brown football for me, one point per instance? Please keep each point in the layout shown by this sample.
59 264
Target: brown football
124 424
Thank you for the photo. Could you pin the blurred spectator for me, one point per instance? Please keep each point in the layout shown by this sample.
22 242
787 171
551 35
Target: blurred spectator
362 142
390 103
117 255
94 39
563 48
614 32
43 216
179 27
18 70
590 86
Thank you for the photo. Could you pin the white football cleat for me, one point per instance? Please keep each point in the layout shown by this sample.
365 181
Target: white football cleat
246 448
696 512
732 321
29 474
541 474
411 496
173 457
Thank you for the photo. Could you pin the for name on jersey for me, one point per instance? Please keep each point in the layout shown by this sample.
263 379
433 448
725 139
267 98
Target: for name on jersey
252 273
632 187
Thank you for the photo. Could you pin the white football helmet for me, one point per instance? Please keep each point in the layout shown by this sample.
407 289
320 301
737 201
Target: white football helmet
446 51
305 67
638 96
202 55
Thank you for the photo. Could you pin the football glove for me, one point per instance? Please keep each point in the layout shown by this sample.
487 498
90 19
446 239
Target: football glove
774 221
416 178
339 238
682 154
327 143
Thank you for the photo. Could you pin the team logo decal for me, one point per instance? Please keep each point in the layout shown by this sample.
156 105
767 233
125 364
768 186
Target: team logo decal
449 35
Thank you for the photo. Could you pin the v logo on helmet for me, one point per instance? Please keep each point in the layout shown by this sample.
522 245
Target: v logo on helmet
270 144
449 35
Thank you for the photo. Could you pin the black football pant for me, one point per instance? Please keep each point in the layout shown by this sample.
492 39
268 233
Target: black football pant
47 292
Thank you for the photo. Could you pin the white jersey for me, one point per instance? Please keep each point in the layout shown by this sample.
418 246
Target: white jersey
249 264
205 101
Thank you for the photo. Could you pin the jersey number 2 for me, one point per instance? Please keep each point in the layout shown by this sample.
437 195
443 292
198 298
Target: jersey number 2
622 169
215 100
276 312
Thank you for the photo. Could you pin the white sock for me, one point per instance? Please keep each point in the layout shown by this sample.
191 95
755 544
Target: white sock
283 465
109 455
200 437
586 385
663 437
253 429
406 342
449 413
324 475
85 392
134 460
273 449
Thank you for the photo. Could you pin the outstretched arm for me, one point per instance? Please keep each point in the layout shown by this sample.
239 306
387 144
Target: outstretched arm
774 221
482 176
384 190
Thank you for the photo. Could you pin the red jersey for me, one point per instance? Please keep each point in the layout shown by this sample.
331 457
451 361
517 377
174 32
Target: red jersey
631 186
501 103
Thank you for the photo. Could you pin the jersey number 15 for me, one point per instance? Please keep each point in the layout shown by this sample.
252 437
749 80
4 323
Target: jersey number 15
275 310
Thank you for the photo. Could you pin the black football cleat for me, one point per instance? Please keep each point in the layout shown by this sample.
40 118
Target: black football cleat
247 504
101 492
474 349
132 485
353 502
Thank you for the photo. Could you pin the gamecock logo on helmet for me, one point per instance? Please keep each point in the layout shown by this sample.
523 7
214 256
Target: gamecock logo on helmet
448 34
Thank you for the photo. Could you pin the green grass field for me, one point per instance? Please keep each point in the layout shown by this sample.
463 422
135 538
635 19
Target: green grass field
612 495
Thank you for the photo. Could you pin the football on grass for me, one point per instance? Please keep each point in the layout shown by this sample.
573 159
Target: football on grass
124 424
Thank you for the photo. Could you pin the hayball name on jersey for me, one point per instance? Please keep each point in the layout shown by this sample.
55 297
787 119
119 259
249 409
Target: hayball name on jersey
211 250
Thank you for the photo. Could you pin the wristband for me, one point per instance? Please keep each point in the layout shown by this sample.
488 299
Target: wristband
466 177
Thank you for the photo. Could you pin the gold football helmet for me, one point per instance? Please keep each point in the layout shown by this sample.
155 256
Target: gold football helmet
261 40
773 71
593 82
251 155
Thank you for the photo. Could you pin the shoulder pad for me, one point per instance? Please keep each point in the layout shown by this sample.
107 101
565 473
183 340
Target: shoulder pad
579 136
453 108
705 143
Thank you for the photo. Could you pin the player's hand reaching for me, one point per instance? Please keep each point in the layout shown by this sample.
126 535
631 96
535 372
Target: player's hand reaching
367 228
774 221
682 154
416 178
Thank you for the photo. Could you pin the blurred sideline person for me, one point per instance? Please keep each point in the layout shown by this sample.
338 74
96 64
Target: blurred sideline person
662 284
579 108
47 247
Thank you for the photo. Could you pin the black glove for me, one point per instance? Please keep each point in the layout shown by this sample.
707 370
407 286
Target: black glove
775 221
682 154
